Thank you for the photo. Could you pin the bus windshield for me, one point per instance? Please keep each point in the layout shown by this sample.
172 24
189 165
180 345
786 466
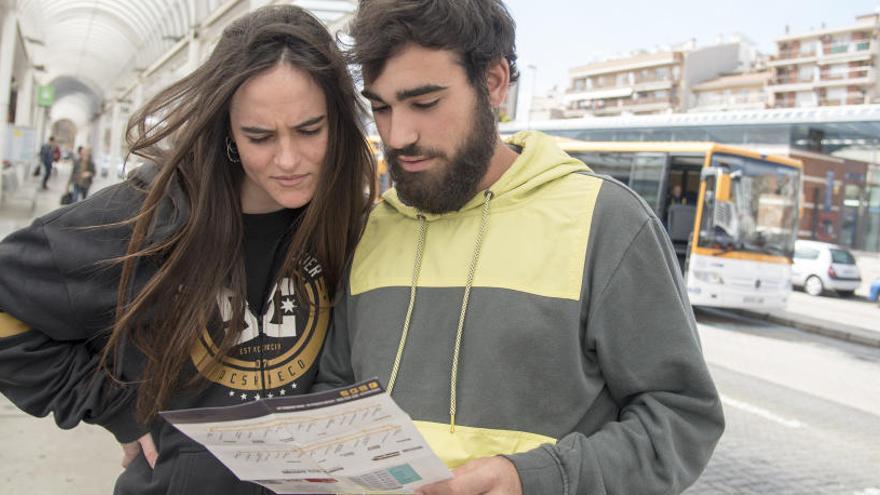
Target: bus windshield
762 213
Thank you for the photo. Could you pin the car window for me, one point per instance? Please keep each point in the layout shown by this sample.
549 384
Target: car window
842 257
806 253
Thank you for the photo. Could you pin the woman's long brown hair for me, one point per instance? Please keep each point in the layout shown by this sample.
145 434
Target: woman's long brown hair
183 129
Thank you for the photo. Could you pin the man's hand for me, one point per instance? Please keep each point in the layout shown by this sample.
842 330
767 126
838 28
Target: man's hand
488 475
143 444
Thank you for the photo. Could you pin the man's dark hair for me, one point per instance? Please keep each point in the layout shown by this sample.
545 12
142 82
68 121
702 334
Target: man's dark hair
480 32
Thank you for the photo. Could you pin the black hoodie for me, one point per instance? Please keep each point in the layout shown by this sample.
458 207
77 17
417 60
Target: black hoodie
57 303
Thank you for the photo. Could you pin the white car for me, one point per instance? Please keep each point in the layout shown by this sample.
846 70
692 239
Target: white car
819 267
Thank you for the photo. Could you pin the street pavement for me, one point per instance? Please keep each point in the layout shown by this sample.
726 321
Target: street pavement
802 410
853 318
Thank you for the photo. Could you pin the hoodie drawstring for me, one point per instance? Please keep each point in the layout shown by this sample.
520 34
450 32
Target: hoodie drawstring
478 244
453 381
423 228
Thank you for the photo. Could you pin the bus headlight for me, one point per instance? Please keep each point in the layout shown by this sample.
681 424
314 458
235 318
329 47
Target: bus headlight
708 277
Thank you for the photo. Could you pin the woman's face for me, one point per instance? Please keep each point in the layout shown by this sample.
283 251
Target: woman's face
279 124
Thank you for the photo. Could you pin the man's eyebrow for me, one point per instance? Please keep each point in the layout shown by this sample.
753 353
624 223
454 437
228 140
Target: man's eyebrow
260 130
370 95
421 90
406 93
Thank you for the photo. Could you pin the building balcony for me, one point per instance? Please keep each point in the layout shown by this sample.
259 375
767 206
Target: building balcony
848 52
791 57
597 94
832 48
656 85
796 84
855 99
651 79
861 73
737 102
828 53
790 54
791 79
645 101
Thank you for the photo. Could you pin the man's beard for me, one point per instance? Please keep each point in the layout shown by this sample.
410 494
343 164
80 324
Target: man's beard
453 183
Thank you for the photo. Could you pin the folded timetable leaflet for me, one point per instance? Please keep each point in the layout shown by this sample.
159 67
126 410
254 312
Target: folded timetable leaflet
349 440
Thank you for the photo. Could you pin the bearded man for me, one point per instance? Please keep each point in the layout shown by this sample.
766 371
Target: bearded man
527 314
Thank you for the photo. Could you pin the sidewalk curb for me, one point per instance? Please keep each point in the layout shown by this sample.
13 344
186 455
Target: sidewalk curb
826 328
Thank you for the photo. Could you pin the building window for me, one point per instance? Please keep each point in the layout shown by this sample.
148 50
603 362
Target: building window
808 47
806 72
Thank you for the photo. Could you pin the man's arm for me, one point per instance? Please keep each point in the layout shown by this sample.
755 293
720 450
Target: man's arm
642 330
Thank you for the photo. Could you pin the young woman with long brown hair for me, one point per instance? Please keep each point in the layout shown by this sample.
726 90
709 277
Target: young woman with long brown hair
205 278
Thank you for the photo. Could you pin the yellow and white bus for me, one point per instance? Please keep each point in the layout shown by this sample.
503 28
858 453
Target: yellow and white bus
731 213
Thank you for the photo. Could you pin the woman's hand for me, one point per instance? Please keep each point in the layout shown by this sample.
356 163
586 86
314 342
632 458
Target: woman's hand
143 444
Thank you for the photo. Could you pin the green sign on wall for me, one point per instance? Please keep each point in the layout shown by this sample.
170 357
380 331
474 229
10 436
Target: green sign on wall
45 95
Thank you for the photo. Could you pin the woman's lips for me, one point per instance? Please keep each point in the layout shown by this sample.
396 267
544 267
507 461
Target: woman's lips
290 180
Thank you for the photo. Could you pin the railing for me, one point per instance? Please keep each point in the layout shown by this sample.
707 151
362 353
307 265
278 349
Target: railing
650 79
756 99
645 101
791 79
596 87
792 54
849 100
828 48
852 73
848 47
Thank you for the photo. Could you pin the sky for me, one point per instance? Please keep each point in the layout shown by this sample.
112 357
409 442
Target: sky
554 35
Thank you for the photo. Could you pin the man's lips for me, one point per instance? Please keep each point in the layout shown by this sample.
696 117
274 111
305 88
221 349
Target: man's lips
414 163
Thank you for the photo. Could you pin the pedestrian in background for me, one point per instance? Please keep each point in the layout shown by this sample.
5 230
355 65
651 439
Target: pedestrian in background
47 157
208 279
82 174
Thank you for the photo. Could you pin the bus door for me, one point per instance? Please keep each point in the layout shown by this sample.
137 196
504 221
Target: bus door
679 208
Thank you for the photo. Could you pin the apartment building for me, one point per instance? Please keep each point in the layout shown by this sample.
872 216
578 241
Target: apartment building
743 91
641 84
649 83
829 67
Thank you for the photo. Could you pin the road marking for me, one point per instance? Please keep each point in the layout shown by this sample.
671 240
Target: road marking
868 491
789 423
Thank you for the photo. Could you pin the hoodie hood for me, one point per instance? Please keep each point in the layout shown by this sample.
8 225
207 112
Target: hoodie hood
540 161
173 210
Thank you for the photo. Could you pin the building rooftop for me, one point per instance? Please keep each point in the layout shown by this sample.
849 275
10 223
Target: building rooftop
643 59
863 22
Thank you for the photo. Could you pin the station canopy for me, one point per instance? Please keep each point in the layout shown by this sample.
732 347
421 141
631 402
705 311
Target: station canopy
92 45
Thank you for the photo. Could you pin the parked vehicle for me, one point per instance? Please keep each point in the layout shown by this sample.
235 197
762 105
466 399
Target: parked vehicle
819 267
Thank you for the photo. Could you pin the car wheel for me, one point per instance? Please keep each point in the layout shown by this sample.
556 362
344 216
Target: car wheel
813 286
846 293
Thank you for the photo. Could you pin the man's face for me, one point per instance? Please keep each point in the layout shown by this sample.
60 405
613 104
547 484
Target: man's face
438 130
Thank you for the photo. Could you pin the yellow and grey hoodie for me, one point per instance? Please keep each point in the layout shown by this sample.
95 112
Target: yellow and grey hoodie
546 321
